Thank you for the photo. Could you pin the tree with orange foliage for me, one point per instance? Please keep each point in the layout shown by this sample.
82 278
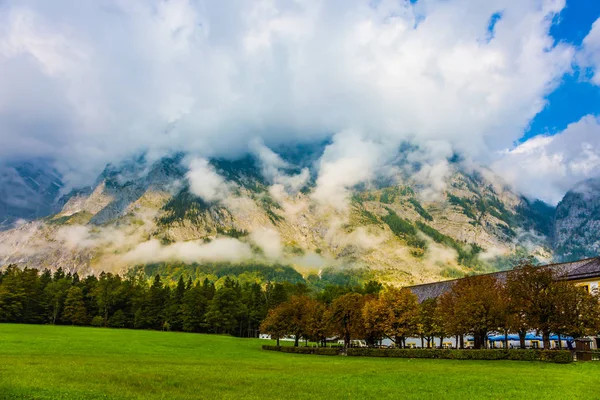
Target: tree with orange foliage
345 316
478 306
275 323
317 325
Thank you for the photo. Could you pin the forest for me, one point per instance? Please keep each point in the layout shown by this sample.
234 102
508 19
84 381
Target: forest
165 300
530 299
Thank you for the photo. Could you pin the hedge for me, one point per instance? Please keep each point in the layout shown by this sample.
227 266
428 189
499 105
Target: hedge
555 356
322 351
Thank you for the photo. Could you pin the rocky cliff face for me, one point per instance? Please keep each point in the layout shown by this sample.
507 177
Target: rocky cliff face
144 212
577 222
28 190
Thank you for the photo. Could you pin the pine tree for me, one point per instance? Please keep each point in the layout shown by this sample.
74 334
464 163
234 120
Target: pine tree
55 294
75 312
175 307
194 307
107 293
156 304
224 310
12 295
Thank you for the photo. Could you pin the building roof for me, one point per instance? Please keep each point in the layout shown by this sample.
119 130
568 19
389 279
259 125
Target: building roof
582 269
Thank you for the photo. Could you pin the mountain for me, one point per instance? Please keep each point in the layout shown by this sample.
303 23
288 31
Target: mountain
28 190
577 222
144 211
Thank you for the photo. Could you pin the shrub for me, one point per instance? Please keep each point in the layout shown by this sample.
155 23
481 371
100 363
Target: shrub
523 355
554 356
321 351
272 348
97 321
118 320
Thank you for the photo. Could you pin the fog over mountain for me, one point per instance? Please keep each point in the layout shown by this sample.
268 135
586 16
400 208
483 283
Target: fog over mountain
162 123
113 79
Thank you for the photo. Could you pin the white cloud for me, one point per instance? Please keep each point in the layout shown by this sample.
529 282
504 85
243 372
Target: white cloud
349 160
590 55
224 249
546 167
115 77
273 168
205 182
269 241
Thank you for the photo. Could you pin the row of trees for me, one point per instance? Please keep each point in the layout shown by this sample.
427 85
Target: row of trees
133 301
530 298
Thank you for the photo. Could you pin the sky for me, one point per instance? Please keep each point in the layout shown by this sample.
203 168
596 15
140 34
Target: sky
508 84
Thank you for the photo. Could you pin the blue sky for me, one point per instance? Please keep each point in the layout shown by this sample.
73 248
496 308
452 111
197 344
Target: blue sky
576 96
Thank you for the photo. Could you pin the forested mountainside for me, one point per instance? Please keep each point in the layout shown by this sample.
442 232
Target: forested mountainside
145 212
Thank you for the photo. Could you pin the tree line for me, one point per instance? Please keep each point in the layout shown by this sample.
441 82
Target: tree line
530 298
133 301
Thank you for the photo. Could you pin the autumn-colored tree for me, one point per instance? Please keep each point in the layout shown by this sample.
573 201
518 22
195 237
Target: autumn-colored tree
478 306
275 323
294 315
429 323
577 312
447 317
298 312
317 326
532 300
346 317
403 306
376 315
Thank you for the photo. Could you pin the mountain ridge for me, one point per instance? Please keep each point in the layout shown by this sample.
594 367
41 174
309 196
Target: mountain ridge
144 212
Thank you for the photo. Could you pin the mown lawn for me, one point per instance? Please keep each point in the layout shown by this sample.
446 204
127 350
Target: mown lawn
51 362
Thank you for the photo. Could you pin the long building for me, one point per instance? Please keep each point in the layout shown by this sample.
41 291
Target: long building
584 273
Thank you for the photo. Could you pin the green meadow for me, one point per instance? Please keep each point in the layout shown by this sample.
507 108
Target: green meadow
62 362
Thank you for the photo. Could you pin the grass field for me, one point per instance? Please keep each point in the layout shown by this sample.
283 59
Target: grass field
51 362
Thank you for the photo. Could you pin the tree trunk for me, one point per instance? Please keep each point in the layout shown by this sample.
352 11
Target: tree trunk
441 342
522 334
277 341
422 342
546 339
462 341
559 342
296 340
505 339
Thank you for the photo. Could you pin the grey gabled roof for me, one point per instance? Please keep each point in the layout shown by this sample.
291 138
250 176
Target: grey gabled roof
582 269
591 269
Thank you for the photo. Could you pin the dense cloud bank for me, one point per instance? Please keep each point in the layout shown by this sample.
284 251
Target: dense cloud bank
86 83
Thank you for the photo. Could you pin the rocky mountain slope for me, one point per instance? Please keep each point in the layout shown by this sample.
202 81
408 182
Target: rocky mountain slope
28 190
577 223
142 212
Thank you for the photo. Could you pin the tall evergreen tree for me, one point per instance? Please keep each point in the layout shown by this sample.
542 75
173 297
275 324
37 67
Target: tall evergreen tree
224 310
75 312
